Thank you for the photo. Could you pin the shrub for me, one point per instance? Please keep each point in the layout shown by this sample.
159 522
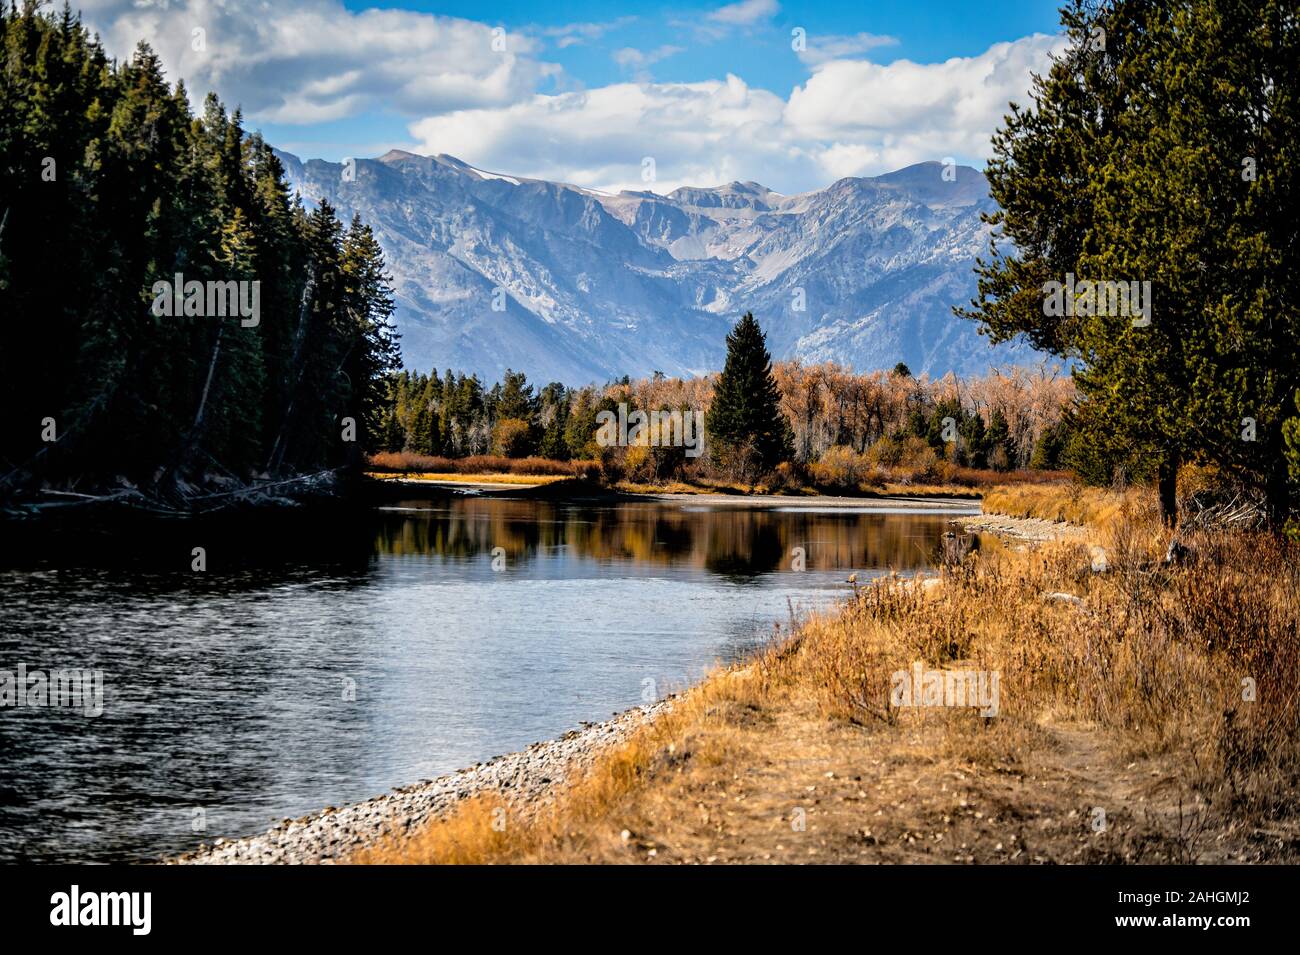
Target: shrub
611 464
915 462
842 467
512 437
408 462
786 478
886 453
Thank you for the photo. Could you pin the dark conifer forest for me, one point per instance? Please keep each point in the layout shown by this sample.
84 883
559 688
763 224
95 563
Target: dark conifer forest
111 185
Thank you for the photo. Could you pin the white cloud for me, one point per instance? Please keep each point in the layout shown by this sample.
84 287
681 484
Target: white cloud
575 34
850 118
952 105
697 133
639 61
745 13
743 17
822 48
630 57
314 61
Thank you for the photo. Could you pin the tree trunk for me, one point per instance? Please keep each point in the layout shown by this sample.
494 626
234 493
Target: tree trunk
207 384
276 456
1277 491
1167 488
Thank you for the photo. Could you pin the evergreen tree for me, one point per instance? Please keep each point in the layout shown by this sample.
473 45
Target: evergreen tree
999 450
554 400
373 352
514 397
745 420
580 428
1160 149
110 185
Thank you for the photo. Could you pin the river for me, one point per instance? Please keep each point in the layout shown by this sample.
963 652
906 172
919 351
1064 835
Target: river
319 665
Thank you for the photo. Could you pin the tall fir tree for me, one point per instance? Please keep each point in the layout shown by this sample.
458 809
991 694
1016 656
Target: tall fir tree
374 352
110 185
747 430
1160 148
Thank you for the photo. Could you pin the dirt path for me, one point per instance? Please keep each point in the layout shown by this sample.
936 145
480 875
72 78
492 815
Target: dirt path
784 785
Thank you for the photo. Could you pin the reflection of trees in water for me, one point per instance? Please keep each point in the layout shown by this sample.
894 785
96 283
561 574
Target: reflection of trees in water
739 541
740 544
242 549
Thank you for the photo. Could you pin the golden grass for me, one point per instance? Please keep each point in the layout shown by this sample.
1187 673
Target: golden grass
1070 502
1194 665
930 490
407 462
522 479
866 491
665 487
1156 655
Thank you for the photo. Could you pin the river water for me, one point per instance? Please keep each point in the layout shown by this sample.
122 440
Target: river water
321 665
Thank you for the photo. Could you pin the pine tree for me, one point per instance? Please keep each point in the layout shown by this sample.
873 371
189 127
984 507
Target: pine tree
373 352
112 185
554 412
1164 154
999 450
748 432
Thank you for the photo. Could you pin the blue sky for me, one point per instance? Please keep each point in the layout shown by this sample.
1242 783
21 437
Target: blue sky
925 30
586 91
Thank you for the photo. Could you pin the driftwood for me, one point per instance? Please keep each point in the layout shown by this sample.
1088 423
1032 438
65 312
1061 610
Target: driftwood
954 548
1241 511
268 492
181 502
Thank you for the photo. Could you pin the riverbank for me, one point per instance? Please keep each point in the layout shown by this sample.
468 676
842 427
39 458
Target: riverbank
1118 741
524 782
1115 738
325 836
394 486
526 476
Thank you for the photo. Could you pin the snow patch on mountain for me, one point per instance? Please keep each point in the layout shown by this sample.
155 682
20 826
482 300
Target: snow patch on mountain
566 283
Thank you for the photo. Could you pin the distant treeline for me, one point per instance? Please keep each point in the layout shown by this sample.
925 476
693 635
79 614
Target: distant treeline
112 191
1006 420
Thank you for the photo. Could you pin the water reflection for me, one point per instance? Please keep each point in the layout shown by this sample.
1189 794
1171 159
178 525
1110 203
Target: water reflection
225 689
736 541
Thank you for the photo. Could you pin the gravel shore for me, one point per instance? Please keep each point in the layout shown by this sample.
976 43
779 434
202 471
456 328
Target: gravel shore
884 503
526 779
1024 528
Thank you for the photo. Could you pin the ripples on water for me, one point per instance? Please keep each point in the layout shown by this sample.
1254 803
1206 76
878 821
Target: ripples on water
225 691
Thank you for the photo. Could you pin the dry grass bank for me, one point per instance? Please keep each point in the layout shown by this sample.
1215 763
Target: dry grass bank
1148 713
841 474
1071 502
486 477
407 463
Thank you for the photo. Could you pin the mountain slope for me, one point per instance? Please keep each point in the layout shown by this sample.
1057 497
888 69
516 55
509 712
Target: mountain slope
590 286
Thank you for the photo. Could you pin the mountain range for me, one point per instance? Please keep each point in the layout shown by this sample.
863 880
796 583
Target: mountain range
575 285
